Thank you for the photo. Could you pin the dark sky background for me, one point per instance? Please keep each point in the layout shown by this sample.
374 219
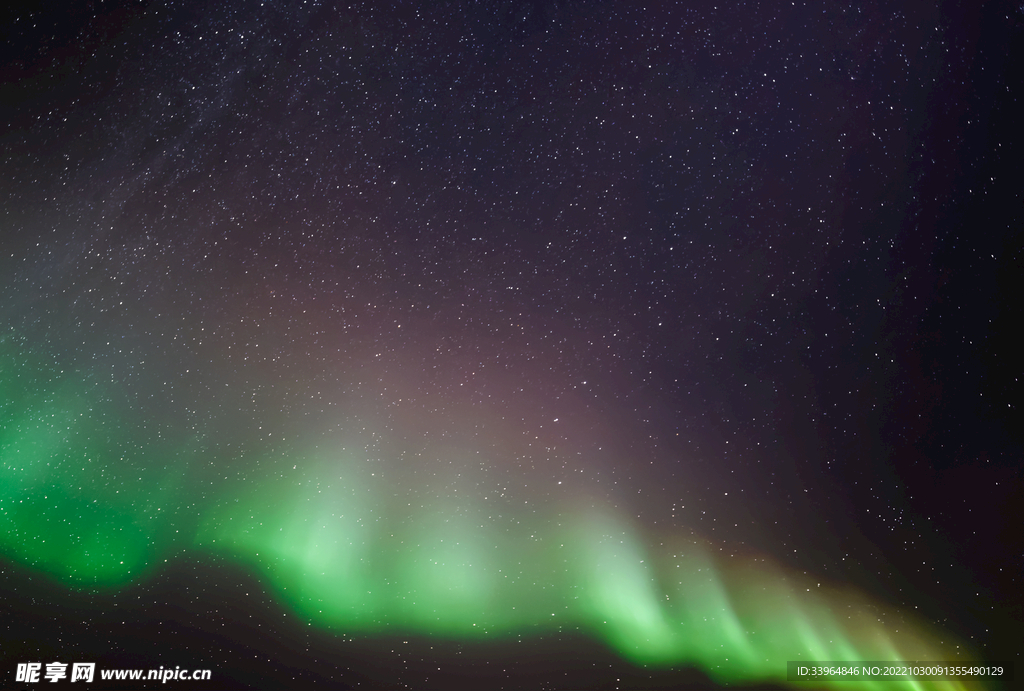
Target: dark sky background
743 272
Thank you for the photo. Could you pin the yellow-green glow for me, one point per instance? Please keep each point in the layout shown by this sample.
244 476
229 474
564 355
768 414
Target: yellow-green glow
346 558
91 496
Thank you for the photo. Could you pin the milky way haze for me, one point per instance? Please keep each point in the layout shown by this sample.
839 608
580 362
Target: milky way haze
671 339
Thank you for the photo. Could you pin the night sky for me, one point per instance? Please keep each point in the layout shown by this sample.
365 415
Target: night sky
510 344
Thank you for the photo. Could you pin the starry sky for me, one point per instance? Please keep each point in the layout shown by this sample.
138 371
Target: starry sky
525 344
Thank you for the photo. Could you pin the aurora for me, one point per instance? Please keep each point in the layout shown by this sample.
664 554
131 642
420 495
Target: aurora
345 546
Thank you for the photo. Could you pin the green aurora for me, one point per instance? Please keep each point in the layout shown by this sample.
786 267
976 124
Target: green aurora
82 501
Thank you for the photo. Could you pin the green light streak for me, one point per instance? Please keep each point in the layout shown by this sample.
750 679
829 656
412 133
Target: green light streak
89 499
345 559
79 496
